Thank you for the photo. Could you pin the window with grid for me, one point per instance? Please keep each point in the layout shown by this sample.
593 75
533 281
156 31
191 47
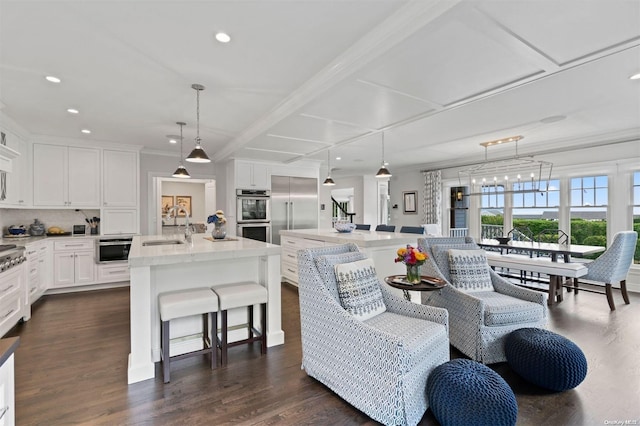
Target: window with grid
589 205
538 211
492 211
636 212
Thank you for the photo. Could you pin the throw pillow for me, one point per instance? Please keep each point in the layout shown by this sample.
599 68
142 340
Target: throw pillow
359 289
469 270
326 265
440 254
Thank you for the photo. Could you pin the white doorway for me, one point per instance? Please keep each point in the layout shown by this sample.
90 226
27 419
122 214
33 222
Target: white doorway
200 194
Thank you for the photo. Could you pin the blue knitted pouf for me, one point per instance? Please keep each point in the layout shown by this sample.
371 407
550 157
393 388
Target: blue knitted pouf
545 358
465 392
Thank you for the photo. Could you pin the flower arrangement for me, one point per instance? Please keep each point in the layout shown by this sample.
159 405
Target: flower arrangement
217 218
411 255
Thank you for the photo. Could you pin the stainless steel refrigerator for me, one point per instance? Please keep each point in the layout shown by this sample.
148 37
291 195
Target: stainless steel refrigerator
294 204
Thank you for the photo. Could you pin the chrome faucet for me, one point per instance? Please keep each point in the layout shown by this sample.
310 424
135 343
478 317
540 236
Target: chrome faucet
187 227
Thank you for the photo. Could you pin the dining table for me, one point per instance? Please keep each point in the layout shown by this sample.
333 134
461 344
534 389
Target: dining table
533 247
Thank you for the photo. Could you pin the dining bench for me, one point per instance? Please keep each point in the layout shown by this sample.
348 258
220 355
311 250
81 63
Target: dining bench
542 265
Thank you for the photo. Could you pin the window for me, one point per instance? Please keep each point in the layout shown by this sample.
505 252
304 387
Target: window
589 204
537 211
636 212
492 211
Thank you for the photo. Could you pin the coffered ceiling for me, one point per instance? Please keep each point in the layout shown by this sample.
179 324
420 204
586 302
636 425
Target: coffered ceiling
301 76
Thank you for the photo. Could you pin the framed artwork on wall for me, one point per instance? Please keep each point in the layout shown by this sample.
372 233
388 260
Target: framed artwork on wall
185 202
167 203
409 202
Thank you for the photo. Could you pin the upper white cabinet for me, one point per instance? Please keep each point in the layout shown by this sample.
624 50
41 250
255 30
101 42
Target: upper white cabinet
252 176
119 221
14 190
119 178
66 176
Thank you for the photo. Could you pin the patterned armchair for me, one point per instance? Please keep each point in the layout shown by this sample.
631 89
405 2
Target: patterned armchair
481 320
613 266
379 365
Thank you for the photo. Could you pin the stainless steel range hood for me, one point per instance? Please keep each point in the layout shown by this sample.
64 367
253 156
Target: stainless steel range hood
6 158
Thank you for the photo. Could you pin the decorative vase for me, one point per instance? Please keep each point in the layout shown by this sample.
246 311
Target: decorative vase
413 274
219 231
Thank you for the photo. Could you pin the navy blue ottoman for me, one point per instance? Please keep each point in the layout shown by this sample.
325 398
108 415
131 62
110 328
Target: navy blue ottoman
465 392
545 358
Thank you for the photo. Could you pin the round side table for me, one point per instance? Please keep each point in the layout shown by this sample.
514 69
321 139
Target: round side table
427 283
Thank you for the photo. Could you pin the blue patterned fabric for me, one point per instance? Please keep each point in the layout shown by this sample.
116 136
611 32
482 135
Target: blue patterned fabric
481 321
359 289
465 392
381 365
546 359
326 267
469 270
441 256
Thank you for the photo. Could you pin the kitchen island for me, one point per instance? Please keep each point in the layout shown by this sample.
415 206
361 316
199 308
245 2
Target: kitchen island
163 266
379 246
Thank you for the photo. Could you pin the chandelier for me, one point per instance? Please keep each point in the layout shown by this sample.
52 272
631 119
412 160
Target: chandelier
508 176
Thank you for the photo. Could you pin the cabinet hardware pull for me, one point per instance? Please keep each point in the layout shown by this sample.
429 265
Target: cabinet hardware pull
291 256
7 289
4 411
74 245
293 272
8 313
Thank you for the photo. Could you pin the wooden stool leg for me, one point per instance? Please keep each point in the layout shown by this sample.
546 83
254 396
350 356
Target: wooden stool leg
214 340
223 335
263 325
166 359
576 284
250 322
623 290
205 330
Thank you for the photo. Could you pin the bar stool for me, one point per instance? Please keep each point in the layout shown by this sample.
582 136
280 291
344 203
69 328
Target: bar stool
184 303
235 296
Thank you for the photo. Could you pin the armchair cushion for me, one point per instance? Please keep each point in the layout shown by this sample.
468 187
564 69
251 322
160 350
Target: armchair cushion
359 289
441 255
326 267
469 270
500 309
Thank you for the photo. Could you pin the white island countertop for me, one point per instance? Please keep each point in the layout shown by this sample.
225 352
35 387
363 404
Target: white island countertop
202 248
361 238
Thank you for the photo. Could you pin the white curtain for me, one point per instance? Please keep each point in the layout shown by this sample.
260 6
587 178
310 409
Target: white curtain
432 197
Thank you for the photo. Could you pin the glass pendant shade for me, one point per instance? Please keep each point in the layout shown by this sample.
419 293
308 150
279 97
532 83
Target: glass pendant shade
181 172
198 155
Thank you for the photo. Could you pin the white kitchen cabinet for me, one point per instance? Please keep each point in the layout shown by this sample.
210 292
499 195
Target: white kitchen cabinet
289 257
15 186
66 176
7 386
13 306
119 178
74 263
119 221
38 274
252 176
113 272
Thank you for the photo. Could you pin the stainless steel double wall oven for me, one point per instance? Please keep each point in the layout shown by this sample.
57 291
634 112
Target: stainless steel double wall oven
253 213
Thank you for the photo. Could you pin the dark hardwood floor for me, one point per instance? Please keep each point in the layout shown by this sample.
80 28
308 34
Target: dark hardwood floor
71 368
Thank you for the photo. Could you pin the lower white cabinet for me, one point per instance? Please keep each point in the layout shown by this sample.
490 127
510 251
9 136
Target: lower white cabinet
113 272
38 272
13 305
7 393
289 257
74 263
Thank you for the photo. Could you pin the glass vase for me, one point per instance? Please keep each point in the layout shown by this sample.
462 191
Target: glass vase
413 274
219 231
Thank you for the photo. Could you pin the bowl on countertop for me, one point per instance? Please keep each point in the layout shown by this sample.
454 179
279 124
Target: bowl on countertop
503 240
17 230
344 227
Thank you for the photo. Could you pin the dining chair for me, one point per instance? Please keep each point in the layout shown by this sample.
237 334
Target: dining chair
412 229
432 229
363 226
612 267
386 228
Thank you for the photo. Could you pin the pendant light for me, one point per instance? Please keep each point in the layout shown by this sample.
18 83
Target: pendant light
383 172
328 181
181 172
198 155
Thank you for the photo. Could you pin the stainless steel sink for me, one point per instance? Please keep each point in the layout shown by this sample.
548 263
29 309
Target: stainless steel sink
162 242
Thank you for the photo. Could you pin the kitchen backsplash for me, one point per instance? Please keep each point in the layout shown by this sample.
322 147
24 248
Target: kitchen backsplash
64 219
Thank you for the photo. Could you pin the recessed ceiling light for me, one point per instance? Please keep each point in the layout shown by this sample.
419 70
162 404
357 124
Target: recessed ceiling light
173 141
173 138
73 111
635 77
338 158
53 79
223 37
86 131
